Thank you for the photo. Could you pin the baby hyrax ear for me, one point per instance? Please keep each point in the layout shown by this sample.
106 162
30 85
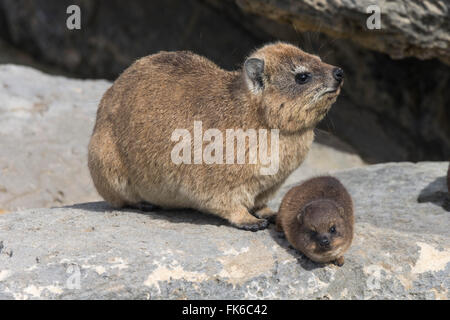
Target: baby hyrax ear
341 211
300 215
303 211
254 70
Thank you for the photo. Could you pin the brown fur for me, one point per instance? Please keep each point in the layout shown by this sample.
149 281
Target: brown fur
130 148
308 212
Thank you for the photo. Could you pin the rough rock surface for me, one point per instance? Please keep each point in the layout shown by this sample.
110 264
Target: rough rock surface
45 125
401 249
414 28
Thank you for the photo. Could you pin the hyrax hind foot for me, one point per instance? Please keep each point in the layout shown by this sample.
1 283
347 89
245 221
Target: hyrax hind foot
242 219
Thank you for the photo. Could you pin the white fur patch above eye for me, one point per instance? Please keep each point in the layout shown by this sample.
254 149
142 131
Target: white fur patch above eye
300 69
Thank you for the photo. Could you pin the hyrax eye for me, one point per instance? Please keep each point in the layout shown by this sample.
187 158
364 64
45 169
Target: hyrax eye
332 229
302 78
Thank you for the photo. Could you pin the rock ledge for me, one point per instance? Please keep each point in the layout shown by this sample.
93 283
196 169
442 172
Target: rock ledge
88 251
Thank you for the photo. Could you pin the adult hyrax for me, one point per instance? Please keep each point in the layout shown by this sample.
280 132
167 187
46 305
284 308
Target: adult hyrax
317 219
137 131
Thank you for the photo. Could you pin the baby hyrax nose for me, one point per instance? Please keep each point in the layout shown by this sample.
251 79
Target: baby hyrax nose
324 242
338 74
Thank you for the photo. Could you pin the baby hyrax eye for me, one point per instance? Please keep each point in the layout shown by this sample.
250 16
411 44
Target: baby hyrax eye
332 229
302 78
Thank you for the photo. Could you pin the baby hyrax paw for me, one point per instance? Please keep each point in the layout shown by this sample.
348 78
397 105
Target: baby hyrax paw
339 261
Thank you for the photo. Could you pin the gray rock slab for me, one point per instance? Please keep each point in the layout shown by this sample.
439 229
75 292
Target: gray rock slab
45 125
401 249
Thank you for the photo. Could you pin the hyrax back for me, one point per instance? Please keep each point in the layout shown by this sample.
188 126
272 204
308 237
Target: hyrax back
317 219
131 149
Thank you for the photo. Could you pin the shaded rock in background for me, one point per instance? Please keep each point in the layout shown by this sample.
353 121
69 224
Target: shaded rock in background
401 250
392 110
11 55
114 34
414 28
45 126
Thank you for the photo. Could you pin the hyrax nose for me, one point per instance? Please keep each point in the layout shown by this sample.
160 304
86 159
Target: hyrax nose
324 242
338 74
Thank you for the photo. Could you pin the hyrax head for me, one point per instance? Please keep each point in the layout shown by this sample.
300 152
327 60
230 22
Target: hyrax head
295 89
323 232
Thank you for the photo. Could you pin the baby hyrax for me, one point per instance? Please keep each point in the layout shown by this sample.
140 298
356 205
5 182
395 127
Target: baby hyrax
317 219
166 127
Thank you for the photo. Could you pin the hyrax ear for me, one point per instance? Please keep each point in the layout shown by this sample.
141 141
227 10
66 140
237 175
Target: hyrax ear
341 211
254 70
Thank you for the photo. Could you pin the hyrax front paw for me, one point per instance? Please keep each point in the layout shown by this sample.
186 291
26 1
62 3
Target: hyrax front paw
244 220
339 261
261 224
266 213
